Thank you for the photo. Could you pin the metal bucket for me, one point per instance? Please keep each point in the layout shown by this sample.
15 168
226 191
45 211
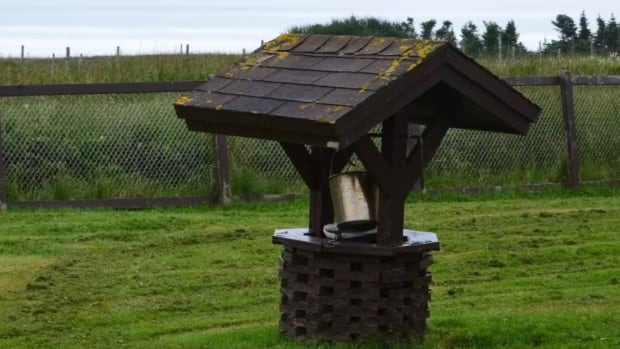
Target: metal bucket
355 199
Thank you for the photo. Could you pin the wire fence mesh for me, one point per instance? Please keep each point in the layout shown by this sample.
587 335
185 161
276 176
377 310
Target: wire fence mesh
598 131
133 145
101 146
476 158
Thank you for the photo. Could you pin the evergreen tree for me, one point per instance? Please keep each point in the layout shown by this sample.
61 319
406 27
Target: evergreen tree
584 36
612 35
601 34
565 25
446 33
355 26
470 40
491 36
510 37
408 27
427 29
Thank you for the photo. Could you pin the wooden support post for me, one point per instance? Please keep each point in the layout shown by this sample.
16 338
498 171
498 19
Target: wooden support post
222 168
314 168
568 112
392 203
321 208
424 152
2 177
420 156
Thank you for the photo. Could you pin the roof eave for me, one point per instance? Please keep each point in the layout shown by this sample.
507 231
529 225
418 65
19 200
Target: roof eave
254 125
493 84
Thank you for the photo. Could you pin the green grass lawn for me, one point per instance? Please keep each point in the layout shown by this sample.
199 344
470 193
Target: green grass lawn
514 271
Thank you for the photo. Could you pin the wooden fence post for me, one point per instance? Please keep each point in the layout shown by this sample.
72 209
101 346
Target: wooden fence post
568 112
2 178
222 169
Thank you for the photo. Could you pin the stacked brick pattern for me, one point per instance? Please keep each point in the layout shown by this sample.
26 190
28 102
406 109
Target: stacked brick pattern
345 297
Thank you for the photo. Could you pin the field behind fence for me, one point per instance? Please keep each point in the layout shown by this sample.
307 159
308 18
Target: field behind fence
131 145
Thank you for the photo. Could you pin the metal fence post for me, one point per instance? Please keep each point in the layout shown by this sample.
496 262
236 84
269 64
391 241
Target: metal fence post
2 178
568 112
222 169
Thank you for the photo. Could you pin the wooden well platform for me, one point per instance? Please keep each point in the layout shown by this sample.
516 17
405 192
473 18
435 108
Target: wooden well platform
344 291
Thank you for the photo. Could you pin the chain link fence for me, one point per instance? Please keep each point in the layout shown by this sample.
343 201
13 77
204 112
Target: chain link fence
101 146
477 158
133 145
597 110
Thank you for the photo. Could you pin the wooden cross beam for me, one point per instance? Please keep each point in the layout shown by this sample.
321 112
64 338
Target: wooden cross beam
395 171
423 152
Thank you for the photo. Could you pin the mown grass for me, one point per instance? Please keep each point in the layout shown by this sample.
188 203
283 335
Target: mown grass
516 270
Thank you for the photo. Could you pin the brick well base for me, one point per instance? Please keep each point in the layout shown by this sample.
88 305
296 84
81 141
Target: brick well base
345 291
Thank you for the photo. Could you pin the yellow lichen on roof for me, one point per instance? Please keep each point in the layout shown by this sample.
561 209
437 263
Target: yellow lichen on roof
409 49
406 45
376 42
392 68
249 62
421 49
335 109
183 100
424 47
364 87
280 42
324 120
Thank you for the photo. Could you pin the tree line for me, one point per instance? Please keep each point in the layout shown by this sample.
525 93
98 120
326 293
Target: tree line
580 39
492 39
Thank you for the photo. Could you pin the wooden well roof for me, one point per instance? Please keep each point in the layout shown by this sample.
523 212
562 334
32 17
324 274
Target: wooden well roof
330 90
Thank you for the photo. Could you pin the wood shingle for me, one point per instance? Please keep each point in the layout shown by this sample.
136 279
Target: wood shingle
314 89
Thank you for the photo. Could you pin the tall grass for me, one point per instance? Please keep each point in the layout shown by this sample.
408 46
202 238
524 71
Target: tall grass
112 69
535 65
199 66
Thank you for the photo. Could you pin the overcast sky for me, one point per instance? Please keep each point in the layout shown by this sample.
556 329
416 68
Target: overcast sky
161 26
